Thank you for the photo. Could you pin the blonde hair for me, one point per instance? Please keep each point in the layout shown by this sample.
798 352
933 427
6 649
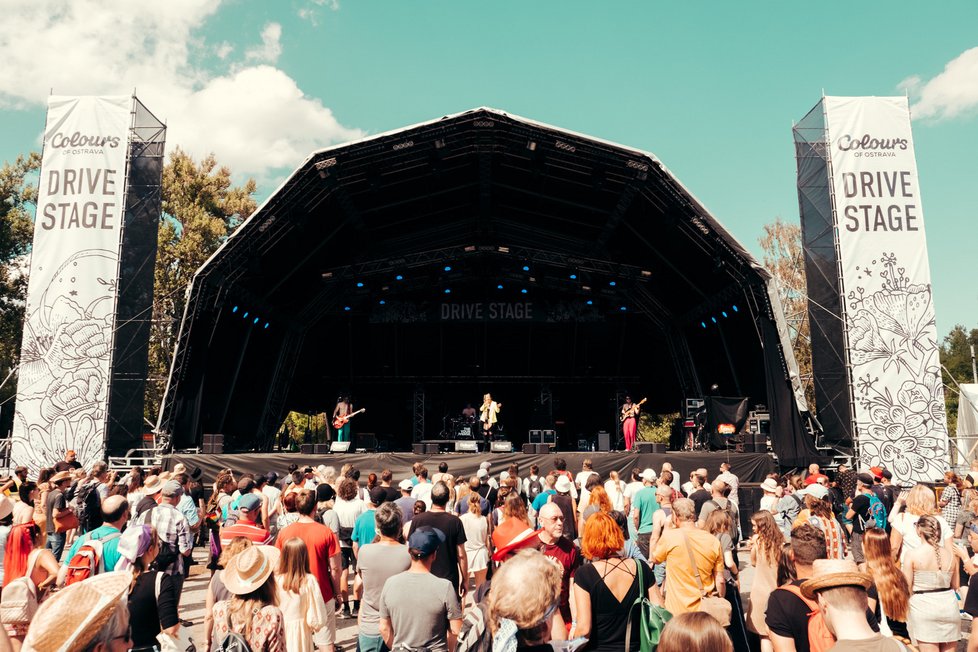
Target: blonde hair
235 547
524 589
922 501
293 566
695 631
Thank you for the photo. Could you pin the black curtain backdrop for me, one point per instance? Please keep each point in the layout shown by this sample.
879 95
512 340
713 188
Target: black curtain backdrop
749 467
724 409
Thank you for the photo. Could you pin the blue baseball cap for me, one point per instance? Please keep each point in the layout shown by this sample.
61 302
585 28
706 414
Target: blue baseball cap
425 540
251 502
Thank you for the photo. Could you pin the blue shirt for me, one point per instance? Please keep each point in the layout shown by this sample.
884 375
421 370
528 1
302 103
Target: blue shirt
187 507
364 528
542 498
110 550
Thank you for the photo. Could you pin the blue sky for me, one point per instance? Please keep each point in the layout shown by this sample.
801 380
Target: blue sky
711 88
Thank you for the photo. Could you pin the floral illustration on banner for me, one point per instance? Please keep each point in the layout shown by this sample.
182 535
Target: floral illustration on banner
63 377
892 335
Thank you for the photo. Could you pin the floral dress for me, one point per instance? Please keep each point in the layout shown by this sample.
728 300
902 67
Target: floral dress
267 628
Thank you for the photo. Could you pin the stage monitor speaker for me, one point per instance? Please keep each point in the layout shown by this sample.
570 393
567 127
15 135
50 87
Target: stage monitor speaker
549 437
643 446
307 449
212 444
536 449
367 441
501 447
320 449
466 447
339 447
425 449
604 441
535 437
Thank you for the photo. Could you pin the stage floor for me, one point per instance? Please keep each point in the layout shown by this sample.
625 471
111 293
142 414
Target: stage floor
749 467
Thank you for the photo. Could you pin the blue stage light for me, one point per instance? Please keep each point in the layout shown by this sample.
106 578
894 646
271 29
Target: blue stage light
523 291
245 316
703 324
346 308
266 324
256 321
382 302
573 277
612 284
623 308
724 313
448 290
234 309
398 278
359 284
714 319
589 302
526 268
735 309
448 268
499 287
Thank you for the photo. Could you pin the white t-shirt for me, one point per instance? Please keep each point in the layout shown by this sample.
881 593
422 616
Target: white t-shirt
768 501
905 523
582 477
633 488
616 494
422 491
734 483
347 512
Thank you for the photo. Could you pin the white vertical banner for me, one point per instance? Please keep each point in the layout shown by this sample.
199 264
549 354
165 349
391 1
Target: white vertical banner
65 363
898 409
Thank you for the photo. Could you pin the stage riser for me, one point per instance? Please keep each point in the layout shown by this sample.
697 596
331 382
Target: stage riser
749 467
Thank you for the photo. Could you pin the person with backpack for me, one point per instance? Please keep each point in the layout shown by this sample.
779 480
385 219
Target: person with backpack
173 531
720 499
524 592
865 511
795 623
249 621
29 570
152 597
97 551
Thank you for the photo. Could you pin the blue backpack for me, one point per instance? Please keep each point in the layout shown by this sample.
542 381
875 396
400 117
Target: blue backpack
877 512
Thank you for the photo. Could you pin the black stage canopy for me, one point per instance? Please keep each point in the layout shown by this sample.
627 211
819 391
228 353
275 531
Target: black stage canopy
416 269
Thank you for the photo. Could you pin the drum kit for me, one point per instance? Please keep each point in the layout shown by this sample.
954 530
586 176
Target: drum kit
459 427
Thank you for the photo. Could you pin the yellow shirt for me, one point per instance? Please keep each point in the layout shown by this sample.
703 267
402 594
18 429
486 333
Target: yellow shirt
682 590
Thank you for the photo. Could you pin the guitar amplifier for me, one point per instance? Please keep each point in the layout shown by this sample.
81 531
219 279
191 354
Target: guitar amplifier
307 449
536 449
425 449
604 441
549 437
535 437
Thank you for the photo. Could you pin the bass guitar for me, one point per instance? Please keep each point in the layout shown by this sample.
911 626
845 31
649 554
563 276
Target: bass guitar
631 412
339 422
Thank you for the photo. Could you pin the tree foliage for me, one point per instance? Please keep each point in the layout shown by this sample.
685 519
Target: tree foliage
784 257
17 196
201 208
956 362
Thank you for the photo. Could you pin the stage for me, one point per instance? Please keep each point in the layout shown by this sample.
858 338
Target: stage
749 467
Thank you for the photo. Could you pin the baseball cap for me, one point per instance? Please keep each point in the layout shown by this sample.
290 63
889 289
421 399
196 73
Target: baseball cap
172 488
250 502
482 473
425 540
815 491
405 485
484 465
378 495
271 477
865 478
648 474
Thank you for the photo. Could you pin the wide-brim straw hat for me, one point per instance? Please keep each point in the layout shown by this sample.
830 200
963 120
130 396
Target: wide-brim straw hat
60 476
770 486
72 617
247 571
832 573
152 485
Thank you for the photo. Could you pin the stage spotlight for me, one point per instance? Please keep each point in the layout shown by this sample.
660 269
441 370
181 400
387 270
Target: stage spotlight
448 268
523 291
499 287
382 302
713 319
646 273
256 321
586 288
346 308
724 313
398 278
245 316
266 324
502 250
623 308
448 290
703 324
234 309
612 283
526 268
359 284
735 308
589 302
573 277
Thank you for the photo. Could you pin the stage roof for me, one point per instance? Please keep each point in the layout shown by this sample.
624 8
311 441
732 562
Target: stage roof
470 208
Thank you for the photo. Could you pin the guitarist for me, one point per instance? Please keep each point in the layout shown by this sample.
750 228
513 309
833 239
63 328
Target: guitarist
629 421
344 408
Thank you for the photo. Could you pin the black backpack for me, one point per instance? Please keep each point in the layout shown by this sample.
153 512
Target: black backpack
88 506
233 641
534 489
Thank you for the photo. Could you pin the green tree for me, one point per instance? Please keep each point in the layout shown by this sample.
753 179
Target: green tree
201 208
784 257
956 363
17 196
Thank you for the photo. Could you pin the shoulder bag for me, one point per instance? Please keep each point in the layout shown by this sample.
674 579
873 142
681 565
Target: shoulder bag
717 607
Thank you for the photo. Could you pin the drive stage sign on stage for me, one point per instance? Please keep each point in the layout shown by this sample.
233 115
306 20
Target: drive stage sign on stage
894 369
71 298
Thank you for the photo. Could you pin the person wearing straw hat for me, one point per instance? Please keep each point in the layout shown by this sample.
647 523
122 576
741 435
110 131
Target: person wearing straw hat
840 590
251 612
769 499
89 615
150 490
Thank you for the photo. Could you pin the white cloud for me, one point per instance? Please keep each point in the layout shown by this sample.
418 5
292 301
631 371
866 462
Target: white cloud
271 45
952 93
310 13
253 116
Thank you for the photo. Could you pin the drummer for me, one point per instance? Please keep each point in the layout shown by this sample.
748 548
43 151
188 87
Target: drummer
469 412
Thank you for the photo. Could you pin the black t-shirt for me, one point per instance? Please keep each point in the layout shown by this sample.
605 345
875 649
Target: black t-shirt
898 627
609 617
446 560
860 505
56 500
787 616
67 466
700 497
145 614
488 493
393 493
196 492
889 498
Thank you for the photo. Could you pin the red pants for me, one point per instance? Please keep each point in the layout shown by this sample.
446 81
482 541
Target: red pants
629 427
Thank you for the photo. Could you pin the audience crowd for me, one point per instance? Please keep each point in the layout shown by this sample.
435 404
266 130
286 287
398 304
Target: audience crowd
543 561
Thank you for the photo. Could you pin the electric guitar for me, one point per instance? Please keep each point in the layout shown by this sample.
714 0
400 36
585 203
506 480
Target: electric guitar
339 422
631 412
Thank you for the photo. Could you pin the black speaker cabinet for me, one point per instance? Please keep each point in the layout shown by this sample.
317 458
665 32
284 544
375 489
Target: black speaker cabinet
649 447
308 449
604 441
425 449
536 449
320 449
212 444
